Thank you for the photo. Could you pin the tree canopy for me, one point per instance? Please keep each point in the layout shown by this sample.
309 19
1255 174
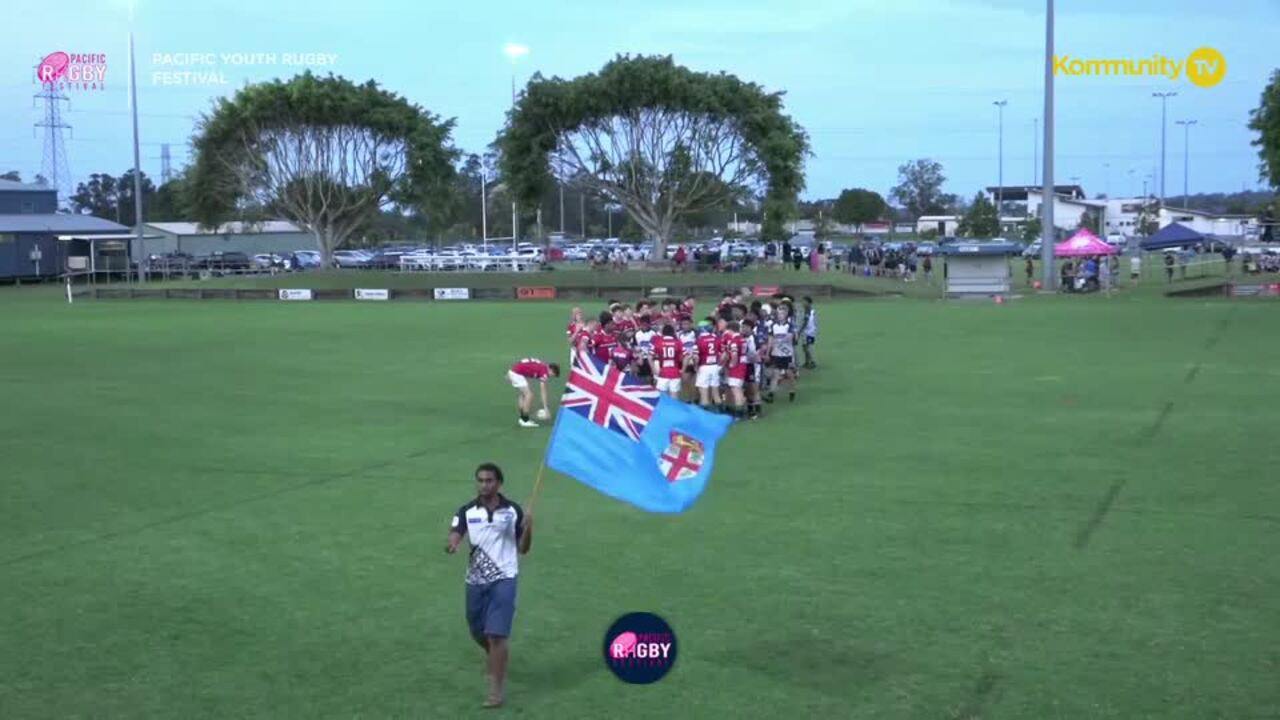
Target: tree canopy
858 206
1265 120
980 220
324 152
111 198
659 139
919 188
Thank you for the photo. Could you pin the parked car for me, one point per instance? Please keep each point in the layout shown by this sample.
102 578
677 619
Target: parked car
350 258
307 258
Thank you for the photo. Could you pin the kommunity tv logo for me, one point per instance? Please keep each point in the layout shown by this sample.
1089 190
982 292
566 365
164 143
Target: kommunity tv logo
1204 67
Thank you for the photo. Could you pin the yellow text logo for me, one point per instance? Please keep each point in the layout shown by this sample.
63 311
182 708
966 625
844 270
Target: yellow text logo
1204 67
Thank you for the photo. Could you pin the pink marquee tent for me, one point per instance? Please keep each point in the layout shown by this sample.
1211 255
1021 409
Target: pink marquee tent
1081 244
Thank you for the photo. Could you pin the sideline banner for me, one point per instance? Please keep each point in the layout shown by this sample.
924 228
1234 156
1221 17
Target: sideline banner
452 293
536 293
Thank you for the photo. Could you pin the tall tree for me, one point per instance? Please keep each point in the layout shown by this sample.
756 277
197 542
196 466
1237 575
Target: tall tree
170 201
328 153
125 198
1265 120
858 206
659 139
980 220
919 188
98 197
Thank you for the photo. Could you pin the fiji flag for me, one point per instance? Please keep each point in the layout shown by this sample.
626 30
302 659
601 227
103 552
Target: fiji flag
622 437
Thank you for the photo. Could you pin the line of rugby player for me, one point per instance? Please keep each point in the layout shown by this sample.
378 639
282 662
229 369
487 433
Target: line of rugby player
729 361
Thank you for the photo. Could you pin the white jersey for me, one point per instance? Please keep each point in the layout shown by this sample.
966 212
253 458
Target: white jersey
644 342
783 337
494 539
689 340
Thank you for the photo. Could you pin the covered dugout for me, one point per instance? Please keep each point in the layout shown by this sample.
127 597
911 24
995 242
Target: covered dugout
978 269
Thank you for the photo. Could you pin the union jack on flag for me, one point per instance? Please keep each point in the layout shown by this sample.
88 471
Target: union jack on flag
609 397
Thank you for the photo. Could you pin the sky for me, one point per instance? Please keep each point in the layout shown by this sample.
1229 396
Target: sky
875 83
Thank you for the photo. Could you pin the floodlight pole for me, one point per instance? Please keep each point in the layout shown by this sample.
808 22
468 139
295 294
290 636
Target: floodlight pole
1164 114
1186 159
137 165
1047 234
1000 173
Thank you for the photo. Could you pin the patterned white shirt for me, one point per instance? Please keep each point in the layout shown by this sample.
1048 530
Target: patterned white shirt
494 538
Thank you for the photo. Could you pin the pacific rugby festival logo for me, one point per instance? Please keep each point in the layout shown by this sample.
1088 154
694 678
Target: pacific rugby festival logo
640 648
1204 67
73 71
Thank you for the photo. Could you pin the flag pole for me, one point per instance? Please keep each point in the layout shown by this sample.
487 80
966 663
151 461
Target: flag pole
537 483
542 467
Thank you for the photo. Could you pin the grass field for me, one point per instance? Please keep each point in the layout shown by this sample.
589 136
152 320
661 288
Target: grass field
1054 508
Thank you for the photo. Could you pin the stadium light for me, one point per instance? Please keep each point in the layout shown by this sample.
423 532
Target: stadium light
1186 158
514 51
1000 173
1164 114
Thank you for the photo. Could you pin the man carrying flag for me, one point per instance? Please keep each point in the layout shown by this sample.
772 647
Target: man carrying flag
621 436
499 532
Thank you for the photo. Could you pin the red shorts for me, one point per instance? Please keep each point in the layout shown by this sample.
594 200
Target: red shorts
738 372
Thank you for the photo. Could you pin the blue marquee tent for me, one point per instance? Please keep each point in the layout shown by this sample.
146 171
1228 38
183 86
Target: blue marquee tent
1172 235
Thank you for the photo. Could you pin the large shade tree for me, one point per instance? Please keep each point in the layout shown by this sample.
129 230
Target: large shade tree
919 188
324 152
662 141
858 206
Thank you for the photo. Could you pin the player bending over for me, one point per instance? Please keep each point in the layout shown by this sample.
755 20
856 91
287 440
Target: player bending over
519 376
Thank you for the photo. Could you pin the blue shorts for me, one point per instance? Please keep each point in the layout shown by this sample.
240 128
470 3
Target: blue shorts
491 608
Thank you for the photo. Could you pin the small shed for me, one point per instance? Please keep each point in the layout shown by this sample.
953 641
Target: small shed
978 268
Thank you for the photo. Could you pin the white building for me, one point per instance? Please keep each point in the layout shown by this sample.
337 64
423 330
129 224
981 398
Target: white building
943 225
1067 211
1209 223
1123 213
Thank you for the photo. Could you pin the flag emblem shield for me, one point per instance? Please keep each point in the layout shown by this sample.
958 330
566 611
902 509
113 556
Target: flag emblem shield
682 459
